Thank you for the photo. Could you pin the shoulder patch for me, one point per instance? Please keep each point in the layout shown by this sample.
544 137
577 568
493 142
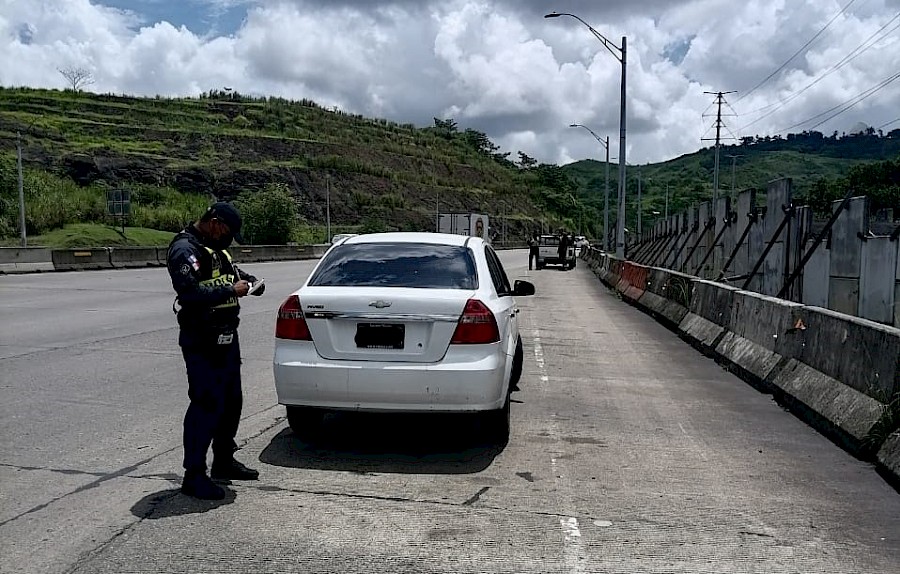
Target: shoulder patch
185 269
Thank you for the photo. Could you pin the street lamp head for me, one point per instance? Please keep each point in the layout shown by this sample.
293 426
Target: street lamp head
574 126
552 15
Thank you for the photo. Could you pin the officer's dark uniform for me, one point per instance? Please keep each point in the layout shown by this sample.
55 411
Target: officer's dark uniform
534 252
208 321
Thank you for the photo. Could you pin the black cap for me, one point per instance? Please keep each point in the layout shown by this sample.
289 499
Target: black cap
227 214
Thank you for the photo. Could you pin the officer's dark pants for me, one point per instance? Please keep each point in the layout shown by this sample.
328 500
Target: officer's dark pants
214 387
533 254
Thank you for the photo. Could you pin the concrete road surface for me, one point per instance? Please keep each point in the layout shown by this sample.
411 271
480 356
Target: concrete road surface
630 452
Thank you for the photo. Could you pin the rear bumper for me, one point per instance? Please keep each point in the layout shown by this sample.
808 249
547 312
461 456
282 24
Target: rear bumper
468 378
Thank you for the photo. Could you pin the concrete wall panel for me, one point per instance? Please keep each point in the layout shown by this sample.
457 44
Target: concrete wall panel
728 238
778 197
746 204
897 292
846 256
815 276
843 294
877 277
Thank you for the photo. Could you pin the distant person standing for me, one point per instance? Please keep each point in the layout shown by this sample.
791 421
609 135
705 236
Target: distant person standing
533 249
563 246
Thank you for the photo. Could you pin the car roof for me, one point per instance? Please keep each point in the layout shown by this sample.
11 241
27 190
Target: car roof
413 237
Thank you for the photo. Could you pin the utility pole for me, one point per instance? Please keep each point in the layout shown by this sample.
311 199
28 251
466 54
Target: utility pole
328 209
733 160
23 239
667 200
720 99
639 207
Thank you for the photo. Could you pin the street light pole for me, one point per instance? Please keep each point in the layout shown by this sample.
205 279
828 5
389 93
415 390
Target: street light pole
620 54
640 210
605 144
733 162
23 240
667 200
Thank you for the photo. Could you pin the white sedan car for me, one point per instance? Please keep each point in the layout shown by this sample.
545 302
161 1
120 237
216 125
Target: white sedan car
401 322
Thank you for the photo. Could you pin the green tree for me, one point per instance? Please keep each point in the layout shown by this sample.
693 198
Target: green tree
270 215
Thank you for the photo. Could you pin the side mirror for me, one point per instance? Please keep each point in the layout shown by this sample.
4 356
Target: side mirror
523 288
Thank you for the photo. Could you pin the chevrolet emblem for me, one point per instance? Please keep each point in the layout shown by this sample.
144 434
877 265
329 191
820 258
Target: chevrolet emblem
380 304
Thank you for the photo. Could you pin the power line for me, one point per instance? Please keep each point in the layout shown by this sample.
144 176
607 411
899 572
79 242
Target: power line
882 126
798 52
846 105
858 51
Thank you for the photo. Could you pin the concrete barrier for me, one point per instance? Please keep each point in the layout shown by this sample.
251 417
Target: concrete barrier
860 353
709 316
759 330
81 259
668 296
127 257
31 259
634 281
25 259
838 372
889 457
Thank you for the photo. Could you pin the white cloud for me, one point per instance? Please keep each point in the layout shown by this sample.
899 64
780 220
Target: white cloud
493 65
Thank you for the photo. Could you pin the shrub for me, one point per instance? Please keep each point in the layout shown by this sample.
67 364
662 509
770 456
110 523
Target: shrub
270 215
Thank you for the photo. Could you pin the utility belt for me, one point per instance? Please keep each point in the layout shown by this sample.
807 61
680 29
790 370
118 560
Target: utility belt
205 328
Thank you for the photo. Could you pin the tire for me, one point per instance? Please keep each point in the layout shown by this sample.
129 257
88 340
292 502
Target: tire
304 421
518 359
496 424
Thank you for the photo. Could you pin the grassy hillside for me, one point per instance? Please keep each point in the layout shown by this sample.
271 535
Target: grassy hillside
175 155
227 144
690 177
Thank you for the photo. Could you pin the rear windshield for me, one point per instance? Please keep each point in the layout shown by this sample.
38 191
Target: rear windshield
397 265
550 240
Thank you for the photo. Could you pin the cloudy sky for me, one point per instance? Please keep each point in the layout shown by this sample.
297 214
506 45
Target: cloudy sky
497 66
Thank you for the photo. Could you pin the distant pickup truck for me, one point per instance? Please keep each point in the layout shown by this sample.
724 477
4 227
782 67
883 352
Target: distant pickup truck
548 253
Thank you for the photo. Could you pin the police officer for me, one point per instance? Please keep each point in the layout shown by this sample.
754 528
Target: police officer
208 285
534 251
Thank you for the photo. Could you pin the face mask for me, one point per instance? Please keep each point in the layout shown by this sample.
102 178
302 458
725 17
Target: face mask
219 244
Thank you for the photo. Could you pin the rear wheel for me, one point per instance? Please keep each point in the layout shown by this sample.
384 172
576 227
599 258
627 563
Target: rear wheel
518 358
304 421
497 423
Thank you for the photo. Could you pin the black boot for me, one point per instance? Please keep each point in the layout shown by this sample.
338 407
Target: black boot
200 486
232 470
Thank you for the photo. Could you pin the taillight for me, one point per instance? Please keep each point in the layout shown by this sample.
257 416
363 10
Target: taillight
476 326
290 323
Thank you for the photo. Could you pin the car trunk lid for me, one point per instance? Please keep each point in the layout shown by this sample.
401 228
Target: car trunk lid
383 324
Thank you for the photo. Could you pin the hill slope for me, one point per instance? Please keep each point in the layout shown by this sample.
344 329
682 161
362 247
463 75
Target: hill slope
806 158
226 144
177 153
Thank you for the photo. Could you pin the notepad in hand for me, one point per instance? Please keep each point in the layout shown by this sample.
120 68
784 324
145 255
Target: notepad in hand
255 285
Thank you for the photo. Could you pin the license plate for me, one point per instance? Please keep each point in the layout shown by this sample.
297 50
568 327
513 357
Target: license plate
380 335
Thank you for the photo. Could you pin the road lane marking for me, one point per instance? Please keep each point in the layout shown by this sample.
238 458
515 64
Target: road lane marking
573 550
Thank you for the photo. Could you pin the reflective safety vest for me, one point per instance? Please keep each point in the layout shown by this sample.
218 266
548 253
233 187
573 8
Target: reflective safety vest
219 279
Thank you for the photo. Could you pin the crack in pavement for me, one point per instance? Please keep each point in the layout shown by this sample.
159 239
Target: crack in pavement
122 472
